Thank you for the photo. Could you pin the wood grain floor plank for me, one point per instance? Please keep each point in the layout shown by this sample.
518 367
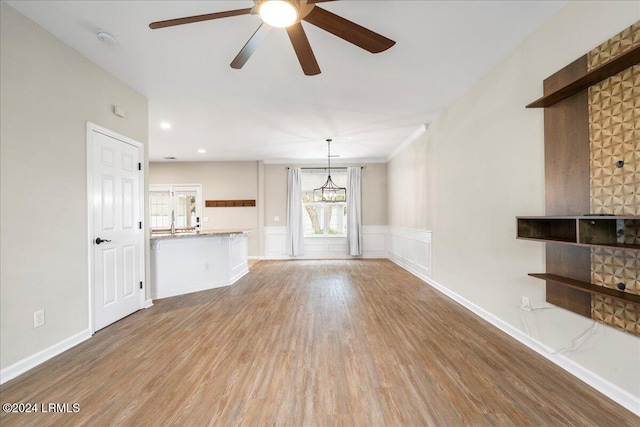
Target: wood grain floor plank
309 343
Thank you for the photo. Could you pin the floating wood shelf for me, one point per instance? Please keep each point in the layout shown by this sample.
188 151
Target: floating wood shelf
621 63
228 203
587 230
588 287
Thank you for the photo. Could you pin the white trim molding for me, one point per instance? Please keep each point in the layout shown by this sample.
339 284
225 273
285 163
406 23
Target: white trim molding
411 249
374 242
615 393
410 140
28 363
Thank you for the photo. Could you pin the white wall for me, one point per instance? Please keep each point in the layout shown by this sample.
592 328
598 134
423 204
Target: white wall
49 92
480 164
407 181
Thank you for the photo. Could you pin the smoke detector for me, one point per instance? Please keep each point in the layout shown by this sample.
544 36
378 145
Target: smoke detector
107 38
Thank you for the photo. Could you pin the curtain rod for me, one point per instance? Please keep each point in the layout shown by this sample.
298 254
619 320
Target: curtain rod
326 168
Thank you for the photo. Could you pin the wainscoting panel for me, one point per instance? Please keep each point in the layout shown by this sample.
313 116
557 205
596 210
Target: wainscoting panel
374 241
275 242
411 249
275 245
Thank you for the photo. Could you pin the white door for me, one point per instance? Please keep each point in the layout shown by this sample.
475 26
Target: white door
117 229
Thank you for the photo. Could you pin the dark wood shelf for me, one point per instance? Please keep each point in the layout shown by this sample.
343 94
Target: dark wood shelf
548 239
621 63
589 287
585 245
580 217
229 203
583 230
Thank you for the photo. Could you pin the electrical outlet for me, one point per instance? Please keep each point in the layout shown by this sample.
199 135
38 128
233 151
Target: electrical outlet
38 318
524 303
206 266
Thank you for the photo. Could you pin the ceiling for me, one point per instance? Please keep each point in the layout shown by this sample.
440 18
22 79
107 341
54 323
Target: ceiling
369 104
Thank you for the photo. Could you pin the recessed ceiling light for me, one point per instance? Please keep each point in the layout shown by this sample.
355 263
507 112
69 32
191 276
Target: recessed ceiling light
165 125
202 150
106 38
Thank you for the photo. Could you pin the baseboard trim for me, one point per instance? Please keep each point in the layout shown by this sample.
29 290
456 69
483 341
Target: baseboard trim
190 290
28 363
612 391
148 303
239 276
199 288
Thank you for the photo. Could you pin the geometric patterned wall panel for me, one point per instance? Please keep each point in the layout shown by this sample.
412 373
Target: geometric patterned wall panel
615 46
614 135
608 268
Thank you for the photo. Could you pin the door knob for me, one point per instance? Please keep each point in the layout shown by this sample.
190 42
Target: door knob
99 240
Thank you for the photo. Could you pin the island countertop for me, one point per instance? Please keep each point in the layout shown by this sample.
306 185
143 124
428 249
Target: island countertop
201 233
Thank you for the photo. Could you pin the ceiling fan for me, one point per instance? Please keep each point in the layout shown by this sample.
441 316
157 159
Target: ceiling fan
288 14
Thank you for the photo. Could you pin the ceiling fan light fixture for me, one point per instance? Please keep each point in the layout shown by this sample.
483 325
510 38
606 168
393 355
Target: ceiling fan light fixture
278 13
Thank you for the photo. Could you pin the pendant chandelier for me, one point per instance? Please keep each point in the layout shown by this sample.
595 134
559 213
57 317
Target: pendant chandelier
329 192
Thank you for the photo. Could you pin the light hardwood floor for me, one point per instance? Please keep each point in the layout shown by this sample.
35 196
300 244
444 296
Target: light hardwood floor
303 343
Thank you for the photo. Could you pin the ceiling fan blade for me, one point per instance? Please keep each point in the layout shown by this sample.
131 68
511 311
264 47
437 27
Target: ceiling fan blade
303 50
199 18
318 1
349 31
245 53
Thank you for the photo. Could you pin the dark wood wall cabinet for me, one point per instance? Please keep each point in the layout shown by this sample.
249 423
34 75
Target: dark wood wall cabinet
569 229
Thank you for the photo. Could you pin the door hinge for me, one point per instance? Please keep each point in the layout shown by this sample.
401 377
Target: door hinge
139 166
140 285
140 225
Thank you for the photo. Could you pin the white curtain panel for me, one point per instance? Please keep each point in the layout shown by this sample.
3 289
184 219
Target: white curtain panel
354 210
295 231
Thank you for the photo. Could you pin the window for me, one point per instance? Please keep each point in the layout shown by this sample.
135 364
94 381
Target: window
183 201
321 218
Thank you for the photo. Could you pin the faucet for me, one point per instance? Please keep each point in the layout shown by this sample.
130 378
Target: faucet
173 223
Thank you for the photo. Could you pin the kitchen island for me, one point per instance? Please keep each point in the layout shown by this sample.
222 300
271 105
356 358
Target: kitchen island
182 263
